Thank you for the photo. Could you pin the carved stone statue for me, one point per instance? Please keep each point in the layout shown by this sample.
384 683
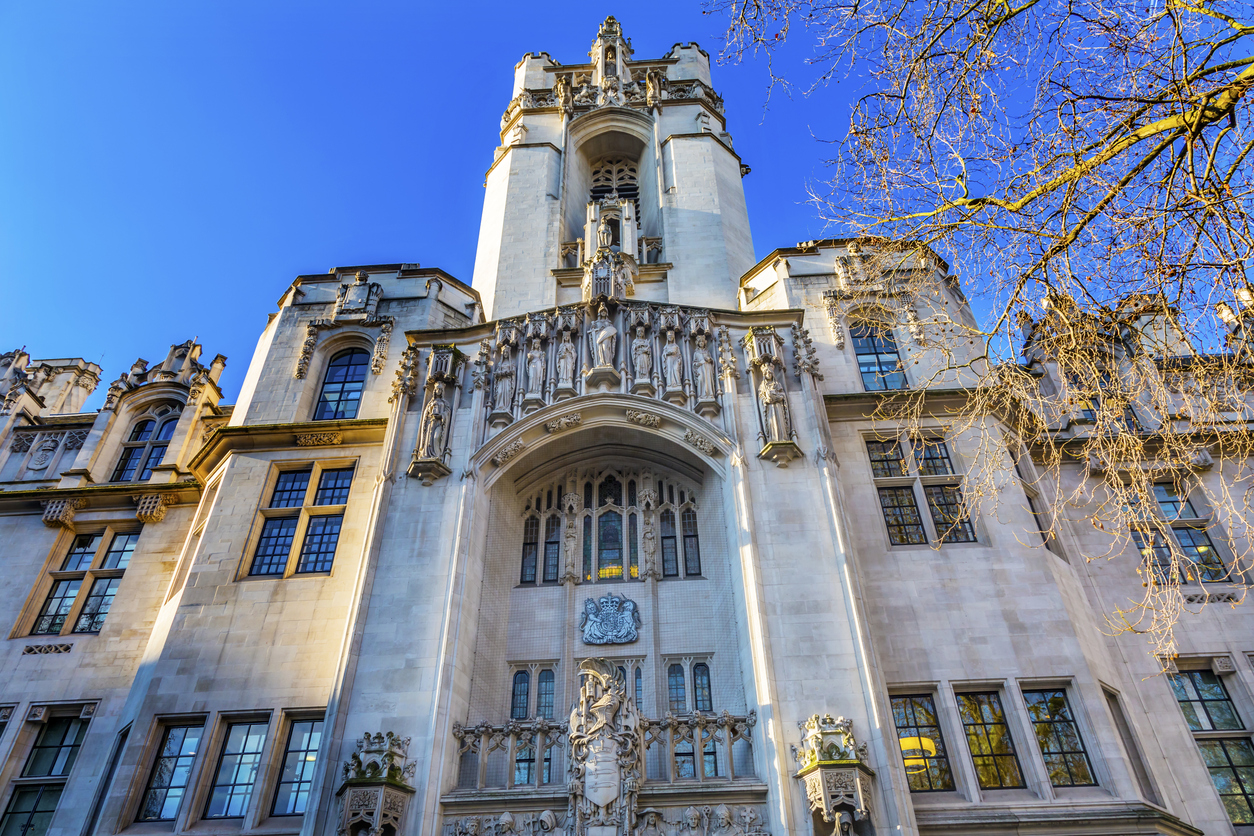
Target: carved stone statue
611 93
673 362
535 368
605 234
648 546
434 429
566 356
703 370
774 407
504 392
650 823
642 354
603 335
361 298
570 547
562 92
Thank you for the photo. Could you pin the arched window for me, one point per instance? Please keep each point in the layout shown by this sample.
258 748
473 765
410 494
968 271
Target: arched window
610 545
670 558
544 694
639 689
587 548
879 362
146 446
701 695
552 548
610 492
633 547
531 538
341 388
675 689
692 549
520 696
615 177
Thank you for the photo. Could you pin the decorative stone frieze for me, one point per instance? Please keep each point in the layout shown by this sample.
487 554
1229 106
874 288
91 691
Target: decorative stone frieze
22 442
44 451
509 451
74 439
644 419
406 382
805 358
610 619
700 442
566 422
151 507
59 513
1212 598
833 767
326 439
42 649
1220 665
376 789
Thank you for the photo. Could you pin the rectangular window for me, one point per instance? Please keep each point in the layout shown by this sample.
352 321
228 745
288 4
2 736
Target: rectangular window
82 553
317 553
949 513
170 774
127 464
901 515
922 746
587 545
155 455
886 458
30 810
633 550
692 546
290 489
1059 739
96 607
56 748
932 456
56 608
670 555
988 737
237 771
544 695
333 487
1198 549
299 759
1173 504
1231 766
120 550
1204 701
274 546
878 360
1154 547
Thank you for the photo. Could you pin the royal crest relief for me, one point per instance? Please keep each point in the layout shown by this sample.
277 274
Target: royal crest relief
610 619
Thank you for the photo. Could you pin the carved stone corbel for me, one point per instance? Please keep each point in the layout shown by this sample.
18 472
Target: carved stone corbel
376 789
59 513
835 772
151 507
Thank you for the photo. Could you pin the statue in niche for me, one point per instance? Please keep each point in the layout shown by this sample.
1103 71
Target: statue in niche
642 354
566 363
535 368
611 65
504 380
562 92
774 406
648 545
605 234
703 370
570 545
673 362
360 297
44 452
722 823
603 335
434 429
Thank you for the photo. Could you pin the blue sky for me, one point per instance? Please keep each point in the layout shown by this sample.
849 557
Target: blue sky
167 168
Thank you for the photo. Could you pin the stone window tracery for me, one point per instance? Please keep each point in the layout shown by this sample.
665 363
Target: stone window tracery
617 533
146 445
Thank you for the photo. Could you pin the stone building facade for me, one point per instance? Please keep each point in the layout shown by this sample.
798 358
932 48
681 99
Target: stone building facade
603 544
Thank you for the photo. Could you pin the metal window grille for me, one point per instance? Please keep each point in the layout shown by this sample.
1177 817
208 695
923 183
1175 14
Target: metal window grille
988 737
342 386
922 744
1059 739
300 757
949 513
170 774
1204 701
274 546
237 771
901 515
317 553
333 486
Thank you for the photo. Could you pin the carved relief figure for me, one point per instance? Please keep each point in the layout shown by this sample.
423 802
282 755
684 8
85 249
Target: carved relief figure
610 619
44 452
703 370
360 297
673 362
642 355
651 824
434 425
566 362
690 824
774 406
723 825
603 335
504 380
535 368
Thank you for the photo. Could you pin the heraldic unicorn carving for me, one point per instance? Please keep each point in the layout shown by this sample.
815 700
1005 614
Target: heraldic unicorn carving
605 746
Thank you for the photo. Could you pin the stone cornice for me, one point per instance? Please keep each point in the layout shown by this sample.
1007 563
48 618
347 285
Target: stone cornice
94 497
225 440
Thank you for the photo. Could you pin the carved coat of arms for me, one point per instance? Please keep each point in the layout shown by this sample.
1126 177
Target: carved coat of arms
610 619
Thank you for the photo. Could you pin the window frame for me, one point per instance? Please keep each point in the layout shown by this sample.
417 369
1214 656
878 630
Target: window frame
1154 532
999 694
31 730
142 471
1031 688
885 329
273 767
1238 699
326 371
161 729
303 514
87 576
917 486
221 737
944 751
